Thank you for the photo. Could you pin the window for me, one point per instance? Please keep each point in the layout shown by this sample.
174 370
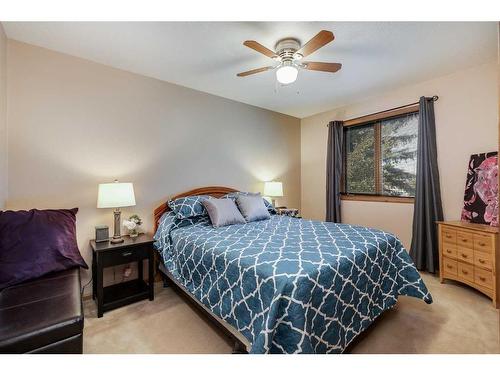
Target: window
380 157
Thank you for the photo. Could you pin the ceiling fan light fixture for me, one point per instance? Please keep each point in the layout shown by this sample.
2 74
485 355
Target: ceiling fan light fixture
287 74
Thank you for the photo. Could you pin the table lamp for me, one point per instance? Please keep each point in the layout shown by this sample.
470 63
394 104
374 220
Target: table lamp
273 189
116 195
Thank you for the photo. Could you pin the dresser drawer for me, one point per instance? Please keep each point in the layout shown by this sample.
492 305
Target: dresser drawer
465 239
449 250
465 255
122 256
483 259
465 271
449 266
483 243
449 235
483 278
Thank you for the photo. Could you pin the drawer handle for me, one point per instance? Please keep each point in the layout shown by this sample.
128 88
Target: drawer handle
481 261
127 254
448 236
464 256
450 267
464 239
483 279
465 272
482 244
448 251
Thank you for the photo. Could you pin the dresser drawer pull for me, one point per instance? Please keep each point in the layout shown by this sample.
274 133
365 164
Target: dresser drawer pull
448 251
465 256
465 272
482 261
127 254
448 236
481 244
448 266
464 240
483 279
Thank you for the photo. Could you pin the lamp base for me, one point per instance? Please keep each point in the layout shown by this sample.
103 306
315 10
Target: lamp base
116 240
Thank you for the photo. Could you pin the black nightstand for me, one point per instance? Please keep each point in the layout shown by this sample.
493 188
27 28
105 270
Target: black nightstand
106 254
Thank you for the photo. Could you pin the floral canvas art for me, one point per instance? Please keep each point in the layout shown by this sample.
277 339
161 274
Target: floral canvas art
481 190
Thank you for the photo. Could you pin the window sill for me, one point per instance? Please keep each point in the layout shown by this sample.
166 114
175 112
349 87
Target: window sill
376 198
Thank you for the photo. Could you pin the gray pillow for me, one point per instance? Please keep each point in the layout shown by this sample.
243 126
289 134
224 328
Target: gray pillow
252 207
223 212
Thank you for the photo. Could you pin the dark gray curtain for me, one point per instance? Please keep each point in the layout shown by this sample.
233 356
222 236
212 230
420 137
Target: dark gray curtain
428 209
334 170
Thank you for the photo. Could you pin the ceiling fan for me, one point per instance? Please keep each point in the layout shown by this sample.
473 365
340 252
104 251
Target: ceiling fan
289 54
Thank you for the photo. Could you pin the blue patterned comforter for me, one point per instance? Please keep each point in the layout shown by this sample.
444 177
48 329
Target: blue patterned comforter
290 285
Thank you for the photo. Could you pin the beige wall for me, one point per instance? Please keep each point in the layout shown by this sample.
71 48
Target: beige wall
466 121
74 124
3 118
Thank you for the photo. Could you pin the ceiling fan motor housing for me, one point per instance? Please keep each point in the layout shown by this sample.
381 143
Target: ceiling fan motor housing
286 49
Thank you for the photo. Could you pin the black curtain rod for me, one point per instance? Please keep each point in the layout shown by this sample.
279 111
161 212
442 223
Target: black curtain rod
433 98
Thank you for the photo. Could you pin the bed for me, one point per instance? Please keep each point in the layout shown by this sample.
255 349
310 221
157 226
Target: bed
286 285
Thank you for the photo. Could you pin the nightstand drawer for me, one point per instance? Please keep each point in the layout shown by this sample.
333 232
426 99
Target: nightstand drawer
123 256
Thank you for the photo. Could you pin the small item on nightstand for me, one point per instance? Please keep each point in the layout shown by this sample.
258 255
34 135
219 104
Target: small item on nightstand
293 212
132 224
101 233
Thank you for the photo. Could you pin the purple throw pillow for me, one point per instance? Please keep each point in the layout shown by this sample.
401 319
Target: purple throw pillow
36 242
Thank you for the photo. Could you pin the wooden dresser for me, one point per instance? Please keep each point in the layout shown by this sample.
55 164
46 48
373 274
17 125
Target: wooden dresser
468 253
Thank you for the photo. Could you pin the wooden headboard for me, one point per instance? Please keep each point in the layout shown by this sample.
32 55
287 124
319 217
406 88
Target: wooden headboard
214 191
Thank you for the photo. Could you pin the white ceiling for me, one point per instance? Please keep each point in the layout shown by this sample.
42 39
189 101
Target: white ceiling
206 56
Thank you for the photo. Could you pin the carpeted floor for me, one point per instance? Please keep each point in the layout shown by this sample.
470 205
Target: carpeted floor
460 320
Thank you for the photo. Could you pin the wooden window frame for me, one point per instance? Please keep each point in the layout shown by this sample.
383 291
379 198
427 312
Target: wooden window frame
376 120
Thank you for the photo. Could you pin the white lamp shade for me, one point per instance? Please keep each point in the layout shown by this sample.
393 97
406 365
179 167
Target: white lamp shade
273 189
116 194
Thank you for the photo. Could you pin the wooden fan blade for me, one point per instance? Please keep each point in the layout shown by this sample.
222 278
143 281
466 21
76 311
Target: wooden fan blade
322 66
318 41
259 48
253 71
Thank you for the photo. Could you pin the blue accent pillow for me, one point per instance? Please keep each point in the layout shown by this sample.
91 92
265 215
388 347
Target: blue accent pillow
189 206
268 204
